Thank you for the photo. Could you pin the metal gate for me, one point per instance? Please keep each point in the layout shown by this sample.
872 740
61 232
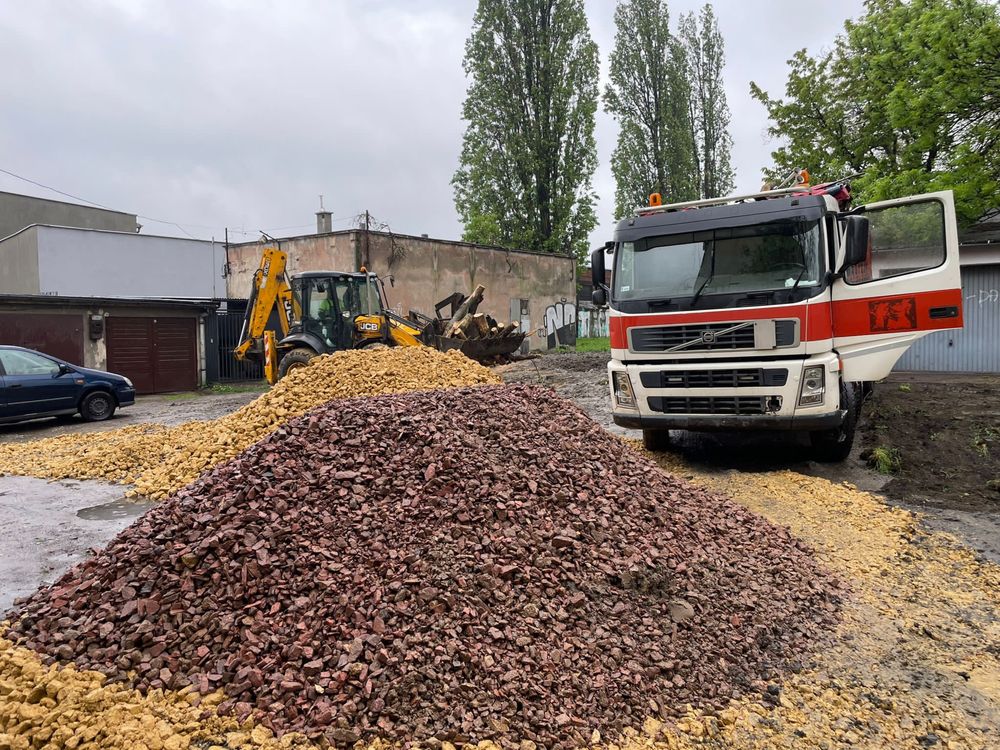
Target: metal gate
974 348
231 370
55 334
157 354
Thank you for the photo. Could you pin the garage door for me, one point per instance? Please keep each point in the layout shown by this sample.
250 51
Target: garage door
156 354
58 335
974 348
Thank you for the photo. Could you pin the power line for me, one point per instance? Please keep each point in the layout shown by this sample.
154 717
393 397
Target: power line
54 190
160 221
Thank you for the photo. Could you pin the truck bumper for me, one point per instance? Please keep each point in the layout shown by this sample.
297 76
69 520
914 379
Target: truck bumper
699 395
708 423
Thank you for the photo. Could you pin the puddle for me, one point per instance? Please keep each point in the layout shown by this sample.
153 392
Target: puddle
122 508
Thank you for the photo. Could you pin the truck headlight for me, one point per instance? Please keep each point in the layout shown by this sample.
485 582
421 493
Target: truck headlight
624 396
813 386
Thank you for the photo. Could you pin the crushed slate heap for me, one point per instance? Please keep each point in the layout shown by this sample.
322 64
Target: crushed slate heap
466 564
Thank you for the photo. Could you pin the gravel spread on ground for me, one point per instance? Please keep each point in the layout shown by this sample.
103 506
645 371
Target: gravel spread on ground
467 564
160 460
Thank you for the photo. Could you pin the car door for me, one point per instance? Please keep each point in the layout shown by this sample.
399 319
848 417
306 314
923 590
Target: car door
35 384
908 285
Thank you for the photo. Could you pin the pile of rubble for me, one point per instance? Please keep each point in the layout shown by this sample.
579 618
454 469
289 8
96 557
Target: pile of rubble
464 564
160 460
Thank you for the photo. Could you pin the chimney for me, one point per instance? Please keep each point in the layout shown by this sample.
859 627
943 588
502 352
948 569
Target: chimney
324 219
324 222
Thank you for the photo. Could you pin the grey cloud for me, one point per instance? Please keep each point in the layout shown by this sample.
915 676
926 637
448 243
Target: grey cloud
215 114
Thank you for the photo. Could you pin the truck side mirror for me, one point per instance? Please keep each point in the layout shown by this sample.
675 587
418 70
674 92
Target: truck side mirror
857 238
597 273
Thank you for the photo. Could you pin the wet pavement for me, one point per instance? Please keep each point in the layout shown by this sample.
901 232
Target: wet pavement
48 526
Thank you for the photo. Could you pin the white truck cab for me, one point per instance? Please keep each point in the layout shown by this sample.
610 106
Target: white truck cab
771 311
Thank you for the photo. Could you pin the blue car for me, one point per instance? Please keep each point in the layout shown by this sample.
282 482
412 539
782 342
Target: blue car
34 385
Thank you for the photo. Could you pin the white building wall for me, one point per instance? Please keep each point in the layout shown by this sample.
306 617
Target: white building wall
85 263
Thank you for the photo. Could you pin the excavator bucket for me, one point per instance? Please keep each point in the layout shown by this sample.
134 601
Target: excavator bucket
485 350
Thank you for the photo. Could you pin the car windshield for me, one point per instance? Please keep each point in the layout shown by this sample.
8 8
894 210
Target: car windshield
739 260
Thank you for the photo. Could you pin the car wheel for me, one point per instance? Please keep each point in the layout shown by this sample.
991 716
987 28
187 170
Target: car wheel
98 406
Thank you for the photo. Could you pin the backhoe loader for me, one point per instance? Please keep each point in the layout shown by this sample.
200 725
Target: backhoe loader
320 312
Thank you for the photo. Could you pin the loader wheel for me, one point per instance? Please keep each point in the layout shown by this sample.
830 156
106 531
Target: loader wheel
656 440
295 358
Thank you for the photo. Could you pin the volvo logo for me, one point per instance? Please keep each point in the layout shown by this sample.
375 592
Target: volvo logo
708 337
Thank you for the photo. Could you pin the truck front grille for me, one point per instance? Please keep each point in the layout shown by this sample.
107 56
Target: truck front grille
747 377
733 405
710 336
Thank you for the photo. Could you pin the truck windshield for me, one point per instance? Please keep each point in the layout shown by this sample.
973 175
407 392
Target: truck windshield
733 261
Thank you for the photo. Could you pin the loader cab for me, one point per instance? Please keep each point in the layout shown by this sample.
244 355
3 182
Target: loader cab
337 310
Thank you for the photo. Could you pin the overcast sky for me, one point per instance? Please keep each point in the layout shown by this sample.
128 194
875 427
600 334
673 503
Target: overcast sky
216 113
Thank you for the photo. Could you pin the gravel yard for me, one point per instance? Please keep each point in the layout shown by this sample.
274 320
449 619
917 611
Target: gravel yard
914 662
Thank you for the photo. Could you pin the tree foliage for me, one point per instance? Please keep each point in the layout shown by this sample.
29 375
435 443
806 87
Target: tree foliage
704 56
666 93
909 98
528 154
649 95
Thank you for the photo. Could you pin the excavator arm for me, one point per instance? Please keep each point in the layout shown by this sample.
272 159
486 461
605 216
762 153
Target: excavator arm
270 288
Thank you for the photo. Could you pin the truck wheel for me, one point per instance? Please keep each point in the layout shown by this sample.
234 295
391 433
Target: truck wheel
656 440
294 359
97 406
834 445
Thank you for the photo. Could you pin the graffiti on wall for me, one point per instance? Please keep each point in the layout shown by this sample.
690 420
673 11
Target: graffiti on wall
560 324
592 322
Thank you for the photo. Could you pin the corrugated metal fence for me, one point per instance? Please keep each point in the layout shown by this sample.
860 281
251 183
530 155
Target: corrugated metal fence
975 348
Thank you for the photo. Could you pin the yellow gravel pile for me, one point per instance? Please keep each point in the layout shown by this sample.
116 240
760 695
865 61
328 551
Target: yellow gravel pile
161 460
60 707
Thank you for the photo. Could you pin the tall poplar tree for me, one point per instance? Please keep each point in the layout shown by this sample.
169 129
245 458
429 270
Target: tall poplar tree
528 154
709 112
649 95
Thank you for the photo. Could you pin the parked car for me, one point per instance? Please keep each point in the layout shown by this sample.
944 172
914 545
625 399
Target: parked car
34 385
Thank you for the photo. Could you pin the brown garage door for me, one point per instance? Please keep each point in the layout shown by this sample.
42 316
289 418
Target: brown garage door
58 335
156 354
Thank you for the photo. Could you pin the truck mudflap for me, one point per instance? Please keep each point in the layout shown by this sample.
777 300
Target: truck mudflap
713 423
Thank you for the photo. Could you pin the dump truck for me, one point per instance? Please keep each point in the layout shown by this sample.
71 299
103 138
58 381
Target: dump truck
320 312
773 310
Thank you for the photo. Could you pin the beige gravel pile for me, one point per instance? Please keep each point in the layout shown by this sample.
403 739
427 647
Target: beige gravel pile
160 460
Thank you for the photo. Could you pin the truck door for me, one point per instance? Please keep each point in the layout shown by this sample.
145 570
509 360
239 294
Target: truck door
907 286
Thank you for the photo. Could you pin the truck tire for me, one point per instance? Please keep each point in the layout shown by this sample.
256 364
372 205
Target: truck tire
97 406
295 358
834 445
656 440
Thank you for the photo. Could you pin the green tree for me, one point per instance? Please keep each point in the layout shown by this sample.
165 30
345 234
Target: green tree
909 98
704 55
649 96
528 154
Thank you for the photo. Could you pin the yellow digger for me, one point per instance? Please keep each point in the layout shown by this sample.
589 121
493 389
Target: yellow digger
319 312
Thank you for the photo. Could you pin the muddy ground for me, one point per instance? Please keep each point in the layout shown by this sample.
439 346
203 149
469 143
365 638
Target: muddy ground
942 434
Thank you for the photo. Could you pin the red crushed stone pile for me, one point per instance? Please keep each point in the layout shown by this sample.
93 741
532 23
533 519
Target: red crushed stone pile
465 564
